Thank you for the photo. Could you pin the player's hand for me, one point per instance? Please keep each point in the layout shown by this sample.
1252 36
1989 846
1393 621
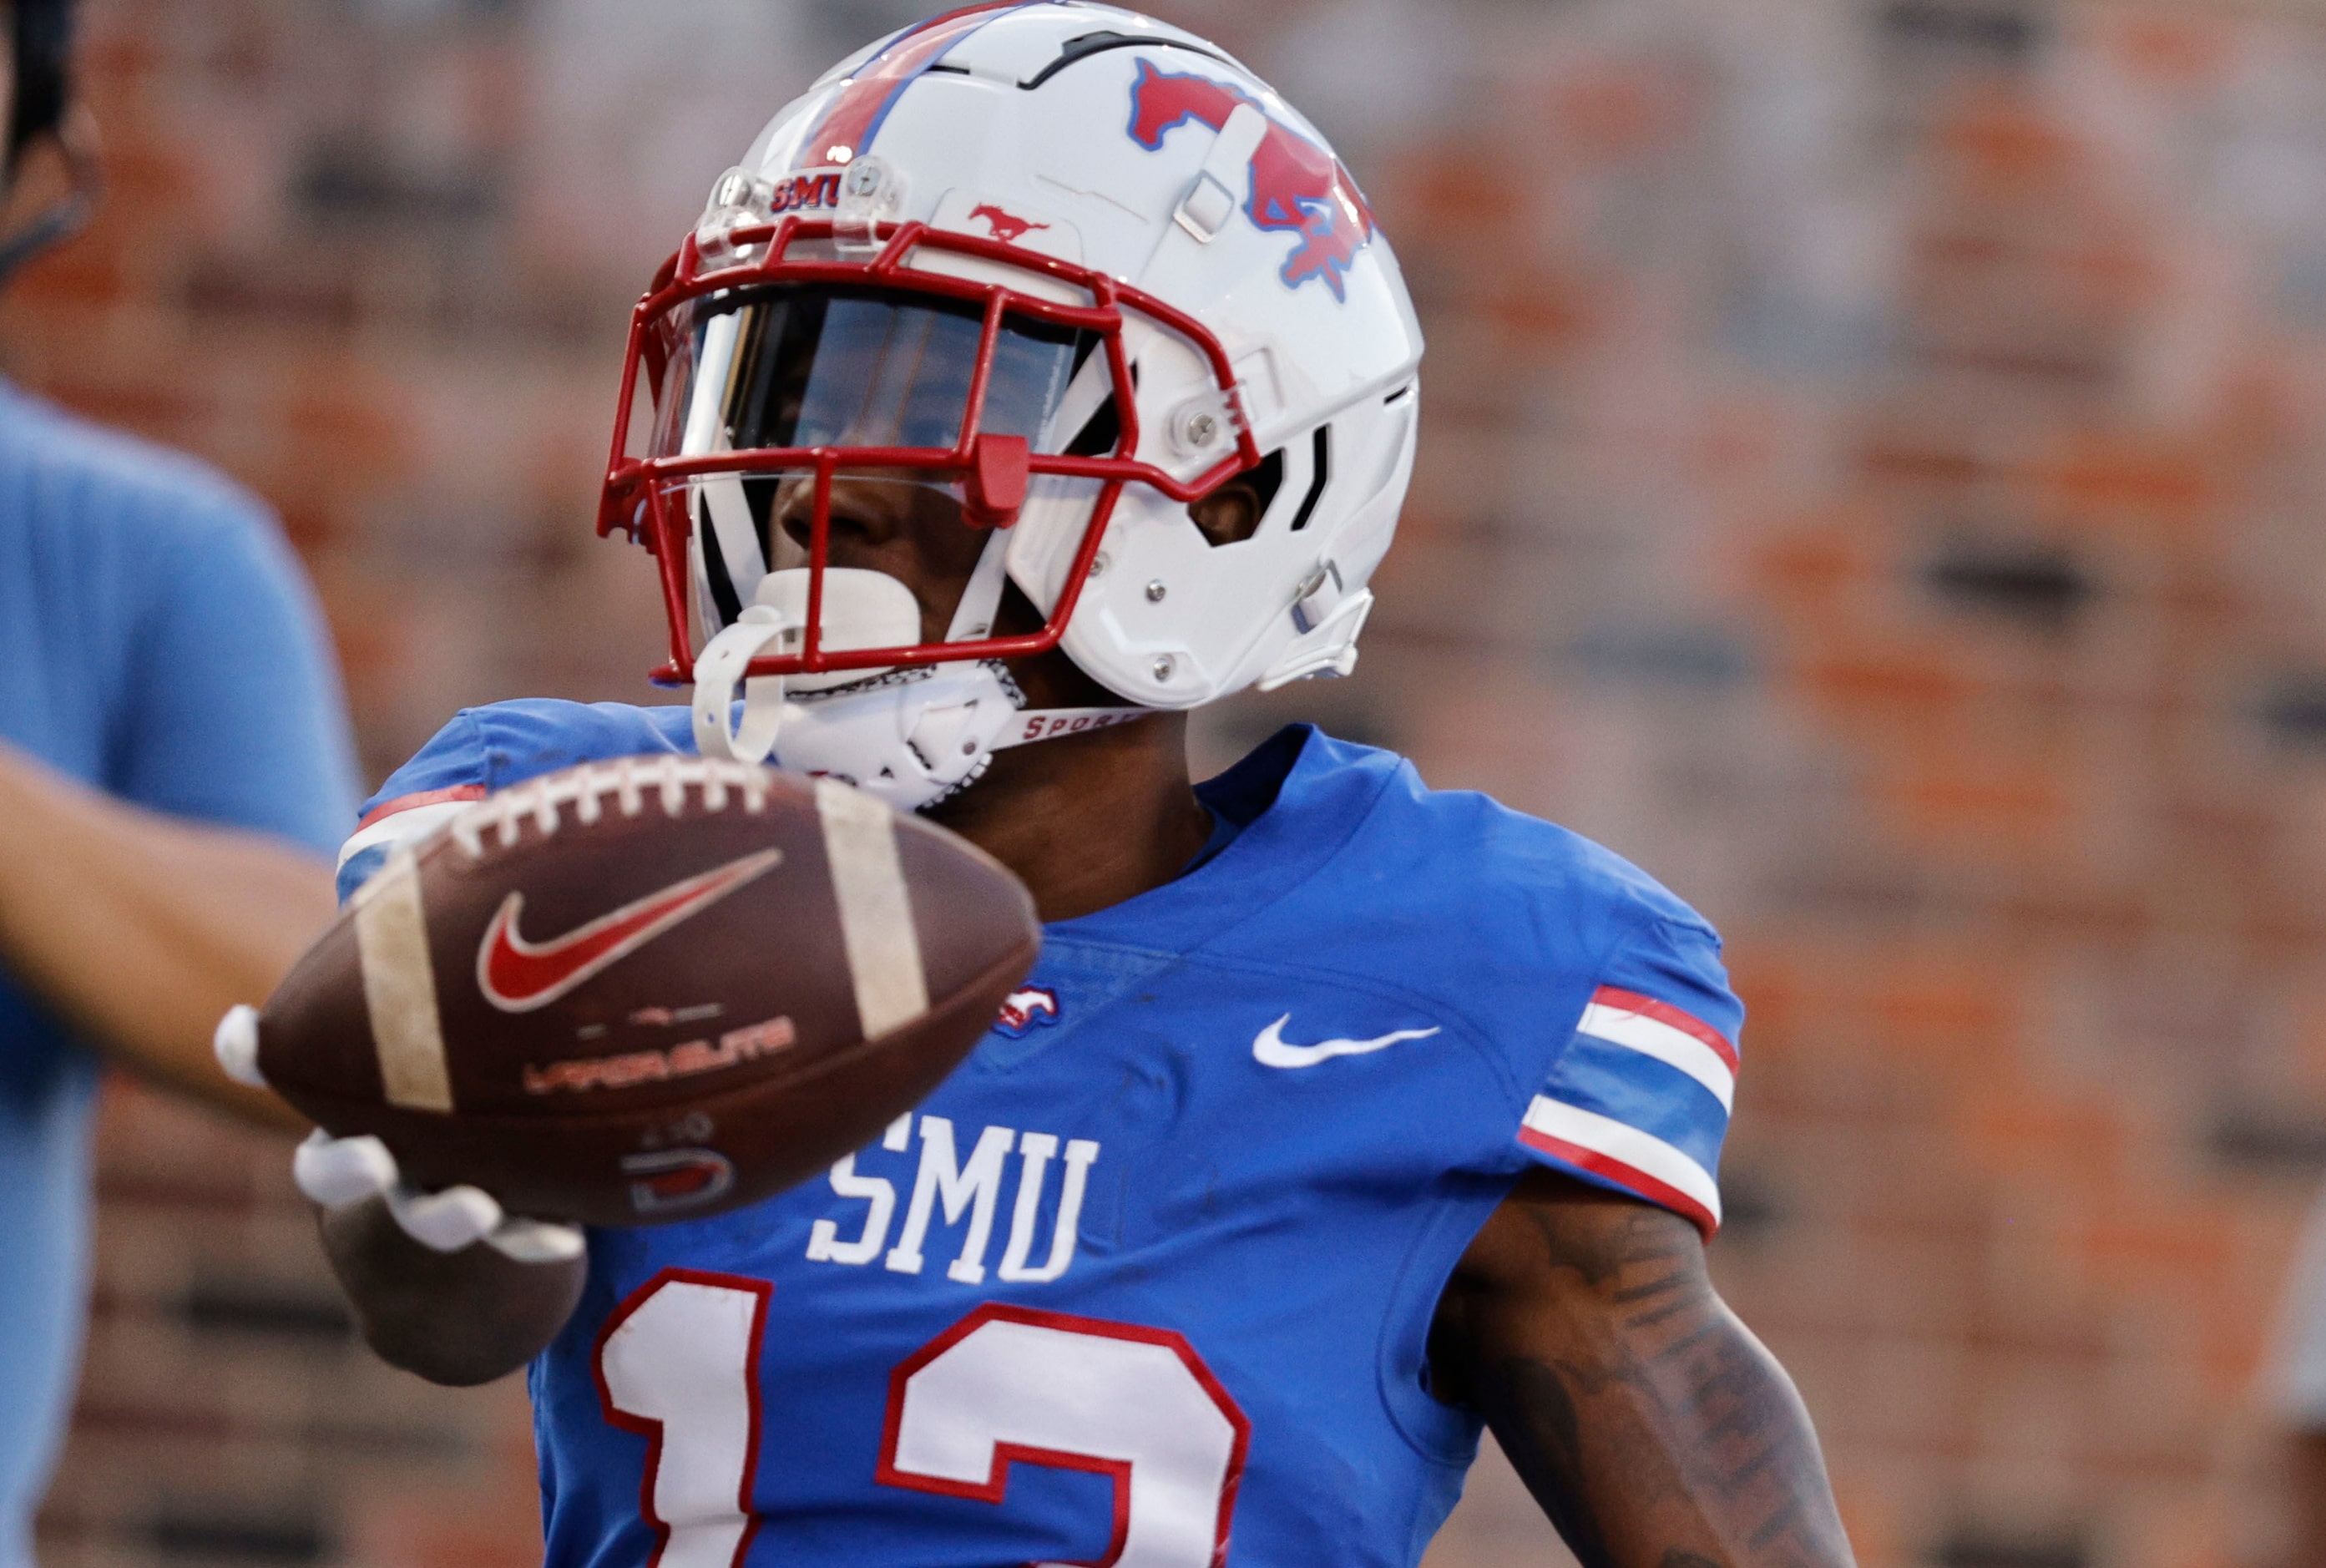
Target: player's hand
335 1172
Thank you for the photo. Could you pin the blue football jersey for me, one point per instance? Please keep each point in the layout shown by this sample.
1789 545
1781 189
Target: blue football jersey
1148 1280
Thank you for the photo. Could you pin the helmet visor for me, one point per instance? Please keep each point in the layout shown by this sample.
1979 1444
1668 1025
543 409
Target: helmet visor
761 394
872 369
882 377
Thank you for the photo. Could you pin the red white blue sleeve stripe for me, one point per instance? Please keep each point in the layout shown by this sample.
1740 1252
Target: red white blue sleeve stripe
1639 1101
405 819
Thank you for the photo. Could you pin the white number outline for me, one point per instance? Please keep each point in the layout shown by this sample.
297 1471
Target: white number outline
652 1430
997 1483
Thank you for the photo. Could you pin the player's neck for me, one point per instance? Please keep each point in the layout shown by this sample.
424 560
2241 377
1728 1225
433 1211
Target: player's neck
1089 821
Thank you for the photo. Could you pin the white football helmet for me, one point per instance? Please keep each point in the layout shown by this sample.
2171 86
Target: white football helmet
1076 269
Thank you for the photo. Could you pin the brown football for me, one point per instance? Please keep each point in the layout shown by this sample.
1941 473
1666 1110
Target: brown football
648 989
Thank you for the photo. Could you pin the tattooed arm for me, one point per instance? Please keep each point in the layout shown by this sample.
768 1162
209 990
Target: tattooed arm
1653 1427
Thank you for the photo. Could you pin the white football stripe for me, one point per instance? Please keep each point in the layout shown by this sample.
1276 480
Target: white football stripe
400 986
1672 1047
1642 1152
876 912
404 828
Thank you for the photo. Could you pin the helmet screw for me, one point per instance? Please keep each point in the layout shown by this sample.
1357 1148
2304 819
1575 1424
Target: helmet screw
865 176
1156 591
735 189
1199 424
1165 667
969 748
1098 564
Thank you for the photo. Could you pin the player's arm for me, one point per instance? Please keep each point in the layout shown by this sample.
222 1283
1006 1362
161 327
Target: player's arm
430 1293
140 929
1653 1427
456 1317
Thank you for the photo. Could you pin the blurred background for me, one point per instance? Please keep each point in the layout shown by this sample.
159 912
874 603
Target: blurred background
1872 475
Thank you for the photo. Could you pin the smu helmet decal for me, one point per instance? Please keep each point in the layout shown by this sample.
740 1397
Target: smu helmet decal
1297 186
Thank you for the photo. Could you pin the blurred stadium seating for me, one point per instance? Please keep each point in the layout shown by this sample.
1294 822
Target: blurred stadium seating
1872 476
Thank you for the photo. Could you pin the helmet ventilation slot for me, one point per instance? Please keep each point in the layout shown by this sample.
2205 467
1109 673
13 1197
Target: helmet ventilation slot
1080 49
1317 479
1265 482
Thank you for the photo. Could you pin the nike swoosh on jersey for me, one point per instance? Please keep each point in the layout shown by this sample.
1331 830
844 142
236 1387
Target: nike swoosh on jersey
517 976
1271 1051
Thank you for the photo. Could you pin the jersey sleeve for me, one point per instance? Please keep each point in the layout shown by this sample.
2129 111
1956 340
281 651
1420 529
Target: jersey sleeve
1638 1100
448 773
492 748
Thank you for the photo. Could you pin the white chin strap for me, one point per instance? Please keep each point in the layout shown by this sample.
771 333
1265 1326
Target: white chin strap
911 737
981 600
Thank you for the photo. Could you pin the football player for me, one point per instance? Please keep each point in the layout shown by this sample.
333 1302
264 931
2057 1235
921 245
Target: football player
1039 377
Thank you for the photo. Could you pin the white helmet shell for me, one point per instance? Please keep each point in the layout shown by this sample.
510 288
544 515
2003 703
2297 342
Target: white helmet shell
1105 138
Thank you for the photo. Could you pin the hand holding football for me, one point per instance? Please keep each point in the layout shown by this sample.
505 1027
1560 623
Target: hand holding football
649 989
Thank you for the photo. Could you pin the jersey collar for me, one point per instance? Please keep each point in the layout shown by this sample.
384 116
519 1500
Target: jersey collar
1302 795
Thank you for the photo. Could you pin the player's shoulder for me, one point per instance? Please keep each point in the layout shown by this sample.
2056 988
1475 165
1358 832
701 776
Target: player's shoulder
1368 879
487 748
67 472
1462 857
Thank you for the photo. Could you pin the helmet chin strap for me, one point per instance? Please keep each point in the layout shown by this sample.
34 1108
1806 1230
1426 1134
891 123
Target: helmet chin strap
911 736
721 732
981 600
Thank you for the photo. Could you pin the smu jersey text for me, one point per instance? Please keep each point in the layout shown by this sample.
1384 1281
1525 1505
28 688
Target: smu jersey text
1148 1280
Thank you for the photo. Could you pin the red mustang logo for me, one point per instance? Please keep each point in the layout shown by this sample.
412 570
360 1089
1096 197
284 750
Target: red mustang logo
1007 227
1297 188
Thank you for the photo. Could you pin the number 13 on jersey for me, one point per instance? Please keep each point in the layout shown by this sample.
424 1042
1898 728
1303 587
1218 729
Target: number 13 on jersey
678 1364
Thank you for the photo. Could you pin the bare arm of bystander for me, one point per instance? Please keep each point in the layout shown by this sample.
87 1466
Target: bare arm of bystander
140 930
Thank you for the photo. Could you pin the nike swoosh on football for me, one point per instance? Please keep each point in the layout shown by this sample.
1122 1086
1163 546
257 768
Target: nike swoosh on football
517 976
1269 1050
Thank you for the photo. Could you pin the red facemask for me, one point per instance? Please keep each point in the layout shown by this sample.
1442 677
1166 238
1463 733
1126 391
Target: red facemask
777 364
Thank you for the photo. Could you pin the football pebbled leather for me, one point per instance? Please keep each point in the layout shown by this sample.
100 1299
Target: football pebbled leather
649 989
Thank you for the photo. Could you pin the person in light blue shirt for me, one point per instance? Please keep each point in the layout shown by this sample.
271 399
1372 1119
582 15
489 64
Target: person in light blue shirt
173 757
173 760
